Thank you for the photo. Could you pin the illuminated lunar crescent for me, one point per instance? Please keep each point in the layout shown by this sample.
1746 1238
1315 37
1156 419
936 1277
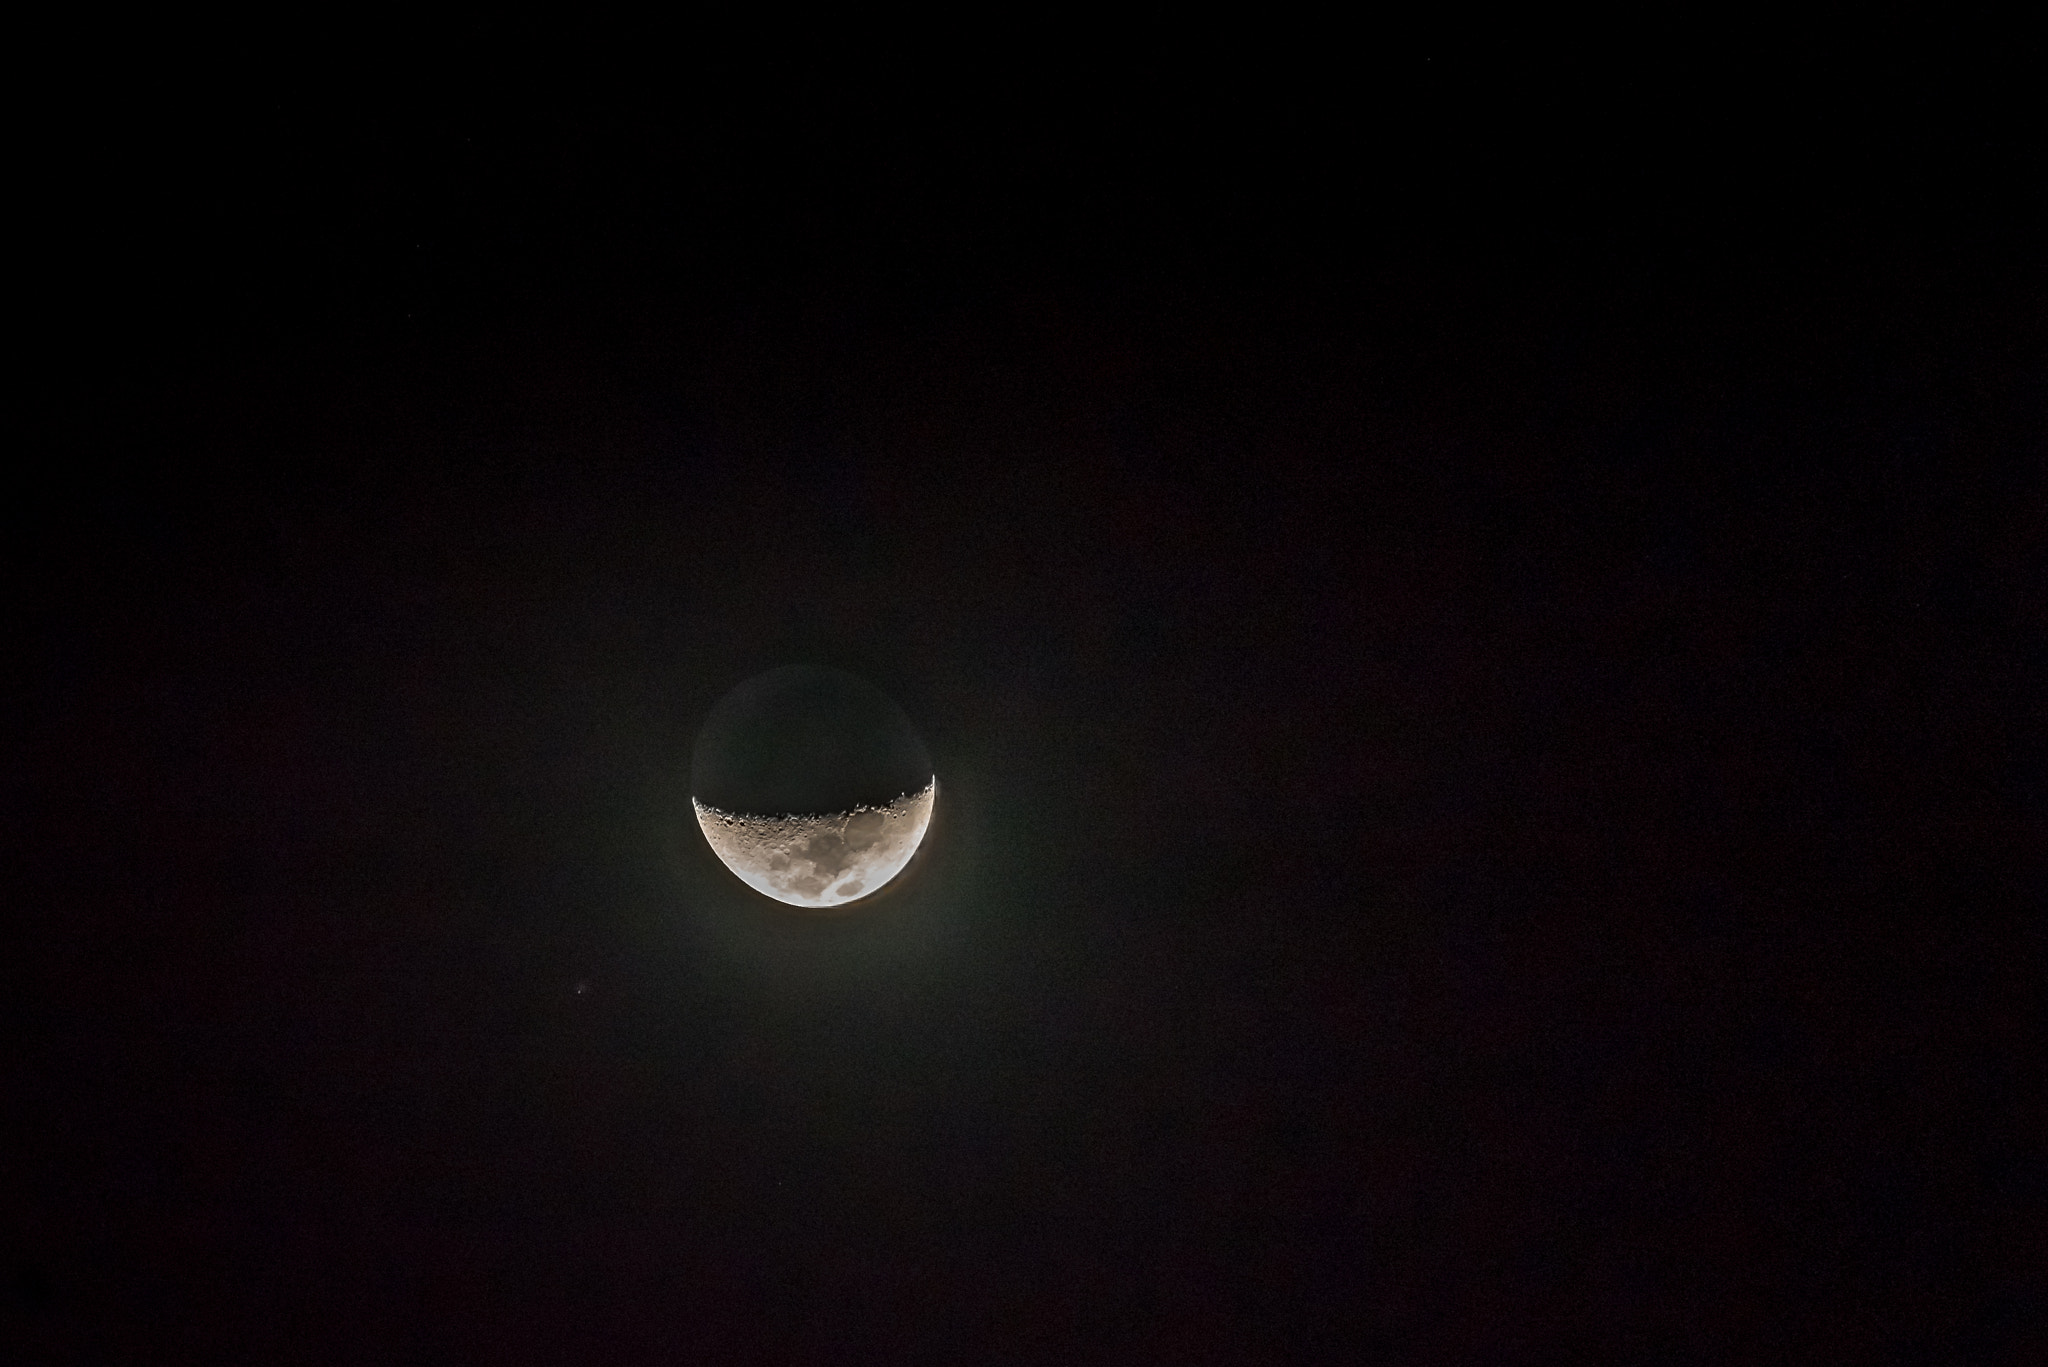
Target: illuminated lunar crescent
820 860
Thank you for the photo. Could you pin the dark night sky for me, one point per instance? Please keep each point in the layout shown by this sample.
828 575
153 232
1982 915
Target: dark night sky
1480 622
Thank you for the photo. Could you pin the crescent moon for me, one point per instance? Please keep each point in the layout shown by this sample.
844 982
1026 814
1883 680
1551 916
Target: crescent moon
823 860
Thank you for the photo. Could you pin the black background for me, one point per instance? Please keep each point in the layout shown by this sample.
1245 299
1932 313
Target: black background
1478 607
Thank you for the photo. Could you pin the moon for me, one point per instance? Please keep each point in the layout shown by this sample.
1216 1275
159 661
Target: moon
822 860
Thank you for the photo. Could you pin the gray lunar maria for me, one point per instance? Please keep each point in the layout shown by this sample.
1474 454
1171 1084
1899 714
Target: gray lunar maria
811 786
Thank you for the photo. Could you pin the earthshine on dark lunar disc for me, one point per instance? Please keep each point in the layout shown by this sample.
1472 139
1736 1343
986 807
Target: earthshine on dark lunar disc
811 786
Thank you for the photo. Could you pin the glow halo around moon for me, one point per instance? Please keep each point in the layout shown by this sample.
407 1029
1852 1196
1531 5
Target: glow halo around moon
825 860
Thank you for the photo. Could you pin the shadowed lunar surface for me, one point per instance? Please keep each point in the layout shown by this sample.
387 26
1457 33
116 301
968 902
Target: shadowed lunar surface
820 861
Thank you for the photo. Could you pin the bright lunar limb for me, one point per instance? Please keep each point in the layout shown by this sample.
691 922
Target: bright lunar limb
820 861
